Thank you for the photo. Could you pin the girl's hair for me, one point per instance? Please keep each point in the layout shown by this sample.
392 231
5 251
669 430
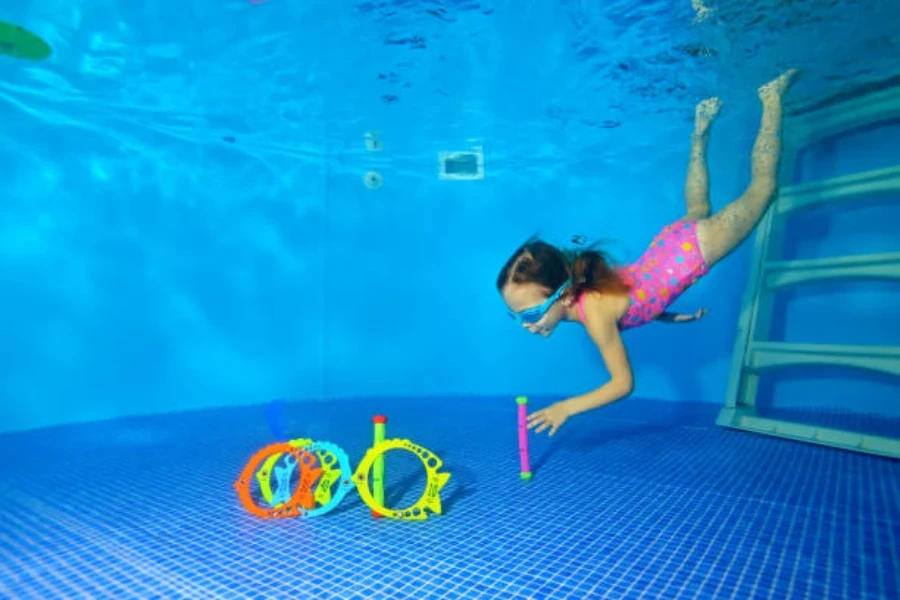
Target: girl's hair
546 265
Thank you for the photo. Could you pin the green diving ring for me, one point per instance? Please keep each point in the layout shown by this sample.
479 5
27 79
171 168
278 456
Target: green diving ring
18 42
430 500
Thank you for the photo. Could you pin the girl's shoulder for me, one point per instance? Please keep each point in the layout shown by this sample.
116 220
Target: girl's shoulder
611 306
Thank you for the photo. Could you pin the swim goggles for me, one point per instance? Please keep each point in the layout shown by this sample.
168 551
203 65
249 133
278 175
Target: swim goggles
536 313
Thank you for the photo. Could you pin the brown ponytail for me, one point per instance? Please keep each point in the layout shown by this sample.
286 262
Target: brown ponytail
591 271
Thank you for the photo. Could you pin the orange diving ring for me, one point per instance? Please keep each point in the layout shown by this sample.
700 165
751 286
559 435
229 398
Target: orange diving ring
303 495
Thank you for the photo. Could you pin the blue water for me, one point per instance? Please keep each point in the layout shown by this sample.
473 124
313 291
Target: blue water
185 236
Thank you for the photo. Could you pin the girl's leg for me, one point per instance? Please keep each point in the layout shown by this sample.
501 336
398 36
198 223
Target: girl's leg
696 188
724 231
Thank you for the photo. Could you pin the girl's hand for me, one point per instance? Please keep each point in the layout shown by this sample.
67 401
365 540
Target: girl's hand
553 417
673 317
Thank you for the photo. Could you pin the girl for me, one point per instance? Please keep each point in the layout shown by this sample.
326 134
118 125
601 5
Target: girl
542 285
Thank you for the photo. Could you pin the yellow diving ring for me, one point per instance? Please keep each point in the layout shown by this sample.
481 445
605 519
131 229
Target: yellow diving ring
430 500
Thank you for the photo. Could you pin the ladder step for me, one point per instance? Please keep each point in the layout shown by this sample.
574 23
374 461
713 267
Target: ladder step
805 195
768 355
836 438
864 106
786 273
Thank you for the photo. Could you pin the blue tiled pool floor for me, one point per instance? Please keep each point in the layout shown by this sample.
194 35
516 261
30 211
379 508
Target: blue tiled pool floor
642 500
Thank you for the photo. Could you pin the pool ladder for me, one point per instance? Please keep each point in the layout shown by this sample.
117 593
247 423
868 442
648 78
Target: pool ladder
754 351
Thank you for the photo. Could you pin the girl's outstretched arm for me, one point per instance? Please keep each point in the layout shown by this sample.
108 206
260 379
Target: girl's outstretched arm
602 326
601 323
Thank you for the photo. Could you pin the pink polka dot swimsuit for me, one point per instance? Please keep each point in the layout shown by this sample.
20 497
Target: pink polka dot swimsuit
667 268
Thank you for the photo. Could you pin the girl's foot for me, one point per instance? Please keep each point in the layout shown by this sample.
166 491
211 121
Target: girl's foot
773 90
701 10
704 115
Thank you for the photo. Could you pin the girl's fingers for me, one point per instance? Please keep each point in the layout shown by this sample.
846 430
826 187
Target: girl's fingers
540 421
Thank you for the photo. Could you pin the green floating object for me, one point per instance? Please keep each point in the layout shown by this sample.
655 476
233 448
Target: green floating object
18 42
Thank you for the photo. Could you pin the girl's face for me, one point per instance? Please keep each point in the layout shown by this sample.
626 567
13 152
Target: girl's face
521 297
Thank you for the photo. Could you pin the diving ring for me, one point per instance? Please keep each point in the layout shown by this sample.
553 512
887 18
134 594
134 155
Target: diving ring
302 497
430 500
328 454
329 473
